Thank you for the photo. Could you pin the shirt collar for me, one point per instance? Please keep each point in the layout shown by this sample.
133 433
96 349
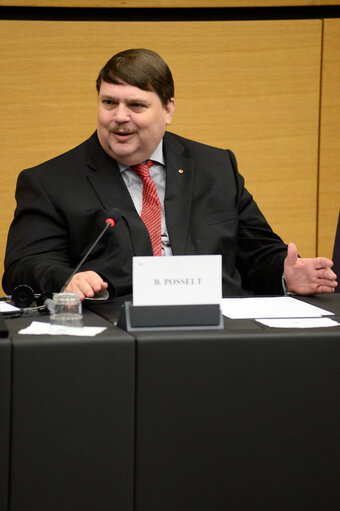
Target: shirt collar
157 156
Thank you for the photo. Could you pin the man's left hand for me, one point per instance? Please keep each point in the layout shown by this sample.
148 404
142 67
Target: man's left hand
308 276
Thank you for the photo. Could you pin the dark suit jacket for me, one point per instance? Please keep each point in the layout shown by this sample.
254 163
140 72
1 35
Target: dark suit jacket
62 206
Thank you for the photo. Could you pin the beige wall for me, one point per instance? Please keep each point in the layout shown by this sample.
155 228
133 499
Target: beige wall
251 86
329 190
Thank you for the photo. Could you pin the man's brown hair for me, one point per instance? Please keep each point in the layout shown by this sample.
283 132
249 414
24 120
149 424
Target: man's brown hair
141 68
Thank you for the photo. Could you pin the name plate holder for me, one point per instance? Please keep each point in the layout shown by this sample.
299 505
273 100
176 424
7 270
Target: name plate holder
174 293
170 317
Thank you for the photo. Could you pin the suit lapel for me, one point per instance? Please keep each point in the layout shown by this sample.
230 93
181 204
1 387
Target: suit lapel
105 179
179 190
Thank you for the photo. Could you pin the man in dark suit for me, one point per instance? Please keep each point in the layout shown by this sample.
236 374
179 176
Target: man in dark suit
204 206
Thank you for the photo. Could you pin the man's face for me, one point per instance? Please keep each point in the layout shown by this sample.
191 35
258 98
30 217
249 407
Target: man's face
131 121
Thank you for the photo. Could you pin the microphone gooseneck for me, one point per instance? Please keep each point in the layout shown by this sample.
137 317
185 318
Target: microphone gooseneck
113 217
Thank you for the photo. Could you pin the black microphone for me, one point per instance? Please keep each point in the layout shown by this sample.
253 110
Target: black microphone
113 217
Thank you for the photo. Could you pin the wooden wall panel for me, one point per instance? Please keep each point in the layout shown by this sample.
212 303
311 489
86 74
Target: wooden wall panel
250 86
329 187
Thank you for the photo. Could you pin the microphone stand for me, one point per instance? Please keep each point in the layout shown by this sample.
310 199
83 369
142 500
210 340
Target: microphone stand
109 223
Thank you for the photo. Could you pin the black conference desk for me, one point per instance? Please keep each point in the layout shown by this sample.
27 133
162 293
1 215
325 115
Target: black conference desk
71 420
245 418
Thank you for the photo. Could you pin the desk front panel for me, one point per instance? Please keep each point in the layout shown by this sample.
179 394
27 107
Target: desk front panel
246 418
5 392
72 422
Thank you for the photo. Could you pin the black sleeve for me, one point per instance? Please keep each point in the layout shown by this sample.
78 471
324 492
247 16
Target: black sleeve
261 252
37 245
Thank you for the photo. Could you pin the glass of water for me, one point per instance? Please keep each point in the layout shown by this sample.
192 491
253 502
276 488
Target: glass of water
66 310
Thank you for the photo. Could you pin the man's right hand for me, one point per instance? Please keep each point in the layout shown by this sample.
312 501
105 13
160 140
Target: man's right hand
85 284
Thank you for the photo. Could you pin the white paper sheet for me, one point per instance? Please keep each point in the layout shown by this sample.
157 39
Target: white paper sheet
270 307
40 328
8 307
299 323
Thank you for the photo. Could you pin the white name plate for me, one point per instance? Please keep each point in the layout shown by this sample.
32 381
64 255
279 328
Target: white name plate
177 280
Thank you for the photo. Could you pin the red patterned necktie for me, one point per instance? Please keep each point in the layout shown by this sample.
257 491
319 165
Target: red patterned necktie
151 208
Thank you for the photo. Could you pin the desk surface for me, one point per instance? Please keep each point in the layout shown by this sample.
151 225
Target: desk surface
110 311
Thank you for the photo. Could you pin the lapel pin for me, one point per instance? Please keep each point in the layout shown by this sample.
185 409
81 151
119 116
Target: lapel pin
181 171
